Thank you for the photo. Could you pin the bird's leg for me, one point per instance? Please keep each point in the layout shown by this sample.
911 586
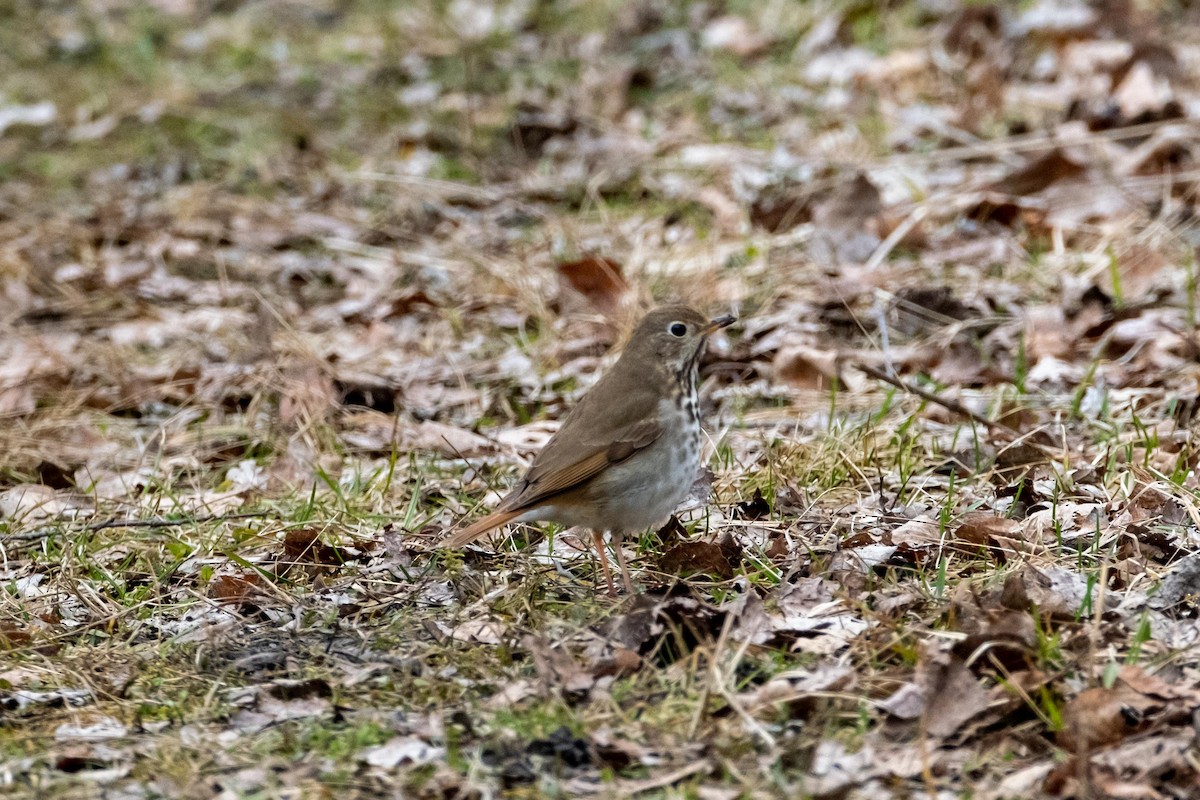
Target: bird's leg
621 563
598 539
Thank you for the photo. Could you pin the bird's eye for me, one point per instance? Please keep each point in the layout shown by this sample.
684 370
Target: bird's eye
677 329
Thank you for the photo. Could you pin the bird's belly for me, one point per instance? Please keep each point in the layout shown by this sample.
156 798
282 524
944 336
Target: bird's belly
638 492
645 489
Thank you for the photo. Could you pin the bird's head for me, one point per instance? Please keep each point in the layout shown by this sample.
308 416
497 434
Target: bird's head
674 336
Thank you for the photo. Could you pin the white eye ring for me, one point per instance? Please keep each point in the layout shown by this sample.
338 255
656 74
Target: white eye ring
677 329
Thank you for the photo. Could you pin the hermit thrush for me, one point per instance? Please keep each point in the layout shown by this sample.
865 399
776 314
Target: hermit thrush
627 455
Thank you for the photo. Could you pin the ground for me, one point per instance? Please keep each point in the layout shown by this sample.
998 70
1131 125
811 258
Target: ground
291 289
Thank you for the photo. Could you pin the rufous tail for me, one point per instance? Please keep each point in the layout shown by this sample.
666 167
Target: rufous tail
480 527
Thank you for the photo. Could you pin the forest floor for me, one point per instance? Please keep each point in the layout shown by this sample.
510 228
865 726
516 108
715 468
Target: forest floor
290 289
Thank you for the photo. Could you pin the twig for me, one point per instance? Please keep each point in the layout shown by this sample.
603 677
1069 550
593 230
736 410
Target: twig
945 402
1012 434
139 523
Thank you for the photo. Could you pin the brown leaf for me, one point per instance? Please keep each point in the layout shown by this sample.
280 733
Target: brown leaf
1037 174
778 547
438 437
696 558
235 588
598 279
672 531
649 619
799 689
985 529
622 663
973 30
1053 591
779 208
953 695
1100 716
283 700
850 204
533 128
841 230
730 548
16 400
557 668
1001 209
303 546
33 502
298 542
1142 271
806 367
919 307
1155 687
1005 635
309 396
1141 94
13 635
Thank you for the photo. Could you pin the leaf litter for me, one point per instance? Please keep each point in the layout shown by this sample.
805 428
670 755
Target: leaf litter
289 295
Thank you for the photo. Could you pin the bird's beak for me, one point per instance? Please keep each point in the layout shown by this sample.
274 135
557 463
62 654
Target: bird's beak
718 323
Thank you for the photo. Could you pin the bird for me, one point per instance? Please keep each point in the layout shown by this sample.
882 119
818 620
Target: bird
629 452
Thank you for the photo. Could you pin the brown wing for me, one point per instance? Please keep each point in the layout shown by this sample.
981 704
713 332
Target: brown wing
535 488
616 419
557 469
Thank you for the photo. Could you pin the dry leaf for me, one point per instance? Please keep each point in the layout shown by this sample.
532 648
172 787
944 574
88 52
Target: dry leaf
1040 172
1098 716
556 668
807 367
236 588
953 695
598 279
984 529
696 558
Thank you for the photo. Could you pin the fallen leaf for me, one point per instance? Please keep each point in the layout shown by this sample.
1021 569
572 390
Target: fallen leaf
1038 173
841 233
556 668
780 207
907 702
953 695
1055 591
235 588
438 437
1179 593
835 768
806 367
93 729
598 279
696 558
1142 92
32 502
799 688
1099 716
481 630
985 529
